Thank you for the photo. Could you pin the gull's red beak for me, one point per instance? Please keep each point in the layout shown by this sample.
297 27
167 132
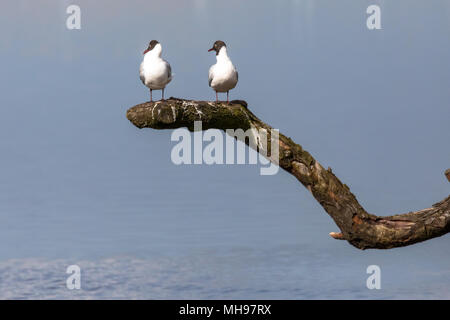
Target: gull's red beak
146 50
211 49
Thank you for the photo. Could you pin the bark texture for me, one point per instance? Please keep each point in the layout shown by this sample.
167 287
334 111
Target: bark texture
360 228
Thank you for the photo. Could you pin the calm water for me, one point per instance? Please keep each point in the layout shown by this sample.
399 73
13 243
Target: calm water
80 185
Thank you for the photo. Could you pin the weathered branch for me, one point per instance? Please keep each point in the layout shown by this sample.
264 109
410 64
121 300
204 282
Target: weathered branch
361 229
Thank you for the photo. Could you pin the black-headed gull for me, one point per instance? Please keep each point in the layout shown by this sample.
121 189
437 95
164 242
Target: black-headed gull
223 76
154 71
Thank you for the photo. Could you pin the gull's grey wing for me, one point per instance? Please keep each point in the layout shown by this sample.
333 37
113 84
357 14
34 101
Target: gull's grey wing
169 70
141 74
210 76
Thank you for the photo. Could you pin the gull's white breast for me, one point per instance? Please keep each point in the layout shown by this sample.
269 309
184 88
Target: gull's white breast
155 72
223 76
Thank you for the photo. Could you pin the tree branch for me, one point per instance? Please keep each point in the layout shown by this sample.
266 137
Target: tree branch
363 230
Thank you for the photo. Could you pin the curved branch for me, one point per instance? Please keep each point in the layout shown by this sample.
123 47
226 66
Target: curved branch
363 230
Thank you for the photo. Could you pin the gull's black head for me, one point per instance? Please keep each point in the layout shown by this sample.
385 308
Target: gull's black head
151 45
217 46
